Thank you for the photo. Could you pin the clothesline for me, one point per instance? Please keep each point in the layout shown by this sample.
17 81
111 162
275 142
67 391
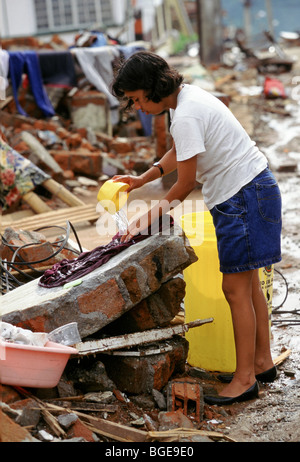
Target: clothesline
58 68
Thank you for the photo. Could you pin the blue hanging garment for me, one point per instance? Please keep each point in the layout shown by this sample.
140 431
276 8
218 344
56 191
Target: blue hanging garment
26 62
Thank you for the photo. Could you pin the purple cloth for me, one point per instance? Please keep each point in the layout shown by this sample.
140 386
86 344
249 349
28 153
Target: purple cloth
70 270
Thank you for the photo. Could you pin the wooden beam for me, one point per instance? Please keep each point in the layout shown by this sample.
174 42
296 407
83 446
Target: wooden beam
137 338
36 203
64 194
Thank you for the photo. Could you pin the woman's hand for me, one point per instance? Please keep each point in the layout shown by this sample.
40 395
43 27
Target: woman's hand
138 226
133 181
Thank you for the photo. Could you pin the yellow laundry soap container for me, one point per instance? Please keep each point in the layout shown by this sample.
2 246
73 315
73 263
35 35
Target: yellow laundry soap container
266 276
211 346
113 196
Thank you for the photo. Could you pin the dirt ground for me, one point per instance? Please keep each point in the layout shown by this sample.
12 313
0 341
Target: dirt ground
275 416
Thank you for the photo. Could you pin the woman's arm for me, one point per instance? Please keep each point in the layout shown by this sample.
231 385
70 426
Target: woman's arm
168 163
186 181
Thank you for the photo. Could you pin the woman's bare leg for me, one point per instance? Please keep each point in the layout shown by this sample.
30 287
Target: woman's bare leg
263 359
237 288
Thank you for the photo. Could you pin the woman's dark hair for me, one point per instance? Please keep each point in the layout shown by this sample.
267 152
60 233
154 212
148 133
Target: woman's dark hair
146 71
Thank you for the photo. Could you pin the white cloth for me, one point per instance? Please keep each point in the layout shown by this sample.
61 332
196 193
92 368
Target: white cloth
13 334
4 64
4 69
228 159
96 64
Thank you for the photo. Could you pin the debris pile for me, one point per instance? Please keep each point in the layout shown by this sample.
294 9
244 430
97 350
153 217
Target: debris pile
85 133
75 151
128 316
129 381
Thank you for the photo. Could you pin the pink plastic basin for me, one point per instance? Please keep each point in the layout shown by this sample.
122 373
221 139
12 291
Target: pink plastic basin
31 366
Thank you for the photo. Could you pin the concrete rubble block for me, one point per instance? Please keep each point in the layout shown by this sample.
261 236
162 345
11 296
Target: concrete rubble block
104 294
89 375
143 373
67 420
169 420
90 109
30 414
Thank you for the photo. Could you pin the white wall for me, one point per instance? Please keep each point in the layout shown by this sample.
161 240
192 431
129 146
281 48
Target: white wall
17 18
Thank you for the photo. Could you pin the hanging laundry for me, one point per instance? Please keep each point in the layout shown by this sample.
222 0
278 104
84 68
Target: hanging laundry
27 62
4 67
57 68
70 270
96 64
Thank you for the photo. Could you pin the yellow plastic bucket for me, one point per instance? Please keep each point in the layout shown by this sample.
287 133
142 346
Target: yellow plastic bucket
113 196
211 346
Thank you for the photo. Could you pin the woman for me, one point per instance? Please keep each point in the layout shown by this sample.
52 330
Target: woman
211 147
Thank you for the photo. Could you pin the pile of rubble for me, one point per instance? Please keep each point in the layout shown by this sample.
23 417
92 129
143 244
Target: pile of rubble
77 151
129 380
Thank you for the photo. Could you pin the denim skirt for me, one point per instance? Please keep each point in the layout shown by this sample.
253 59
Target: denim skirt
248 226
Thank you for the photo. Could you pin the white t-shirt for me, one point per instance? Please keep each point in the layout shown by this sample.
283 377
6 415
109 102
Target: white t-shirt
228 159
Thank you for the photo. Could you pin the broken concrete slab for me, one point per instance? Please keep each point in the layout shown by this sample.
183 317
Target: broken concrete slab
89 375
157 310
104 294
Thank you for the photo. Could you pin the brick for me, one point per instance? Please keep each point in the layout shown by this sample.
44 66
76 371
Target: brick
73 141
153 266
121 145
11 432
130 279
80 430
157 310
36 324
141 374
33 247
8 394
88 163
106 298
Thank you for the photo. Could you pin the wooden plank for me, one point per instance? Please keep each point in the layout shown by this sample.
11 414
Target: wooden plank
112 430
40 151
55 217
282 357
6 102
177 433
137 338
